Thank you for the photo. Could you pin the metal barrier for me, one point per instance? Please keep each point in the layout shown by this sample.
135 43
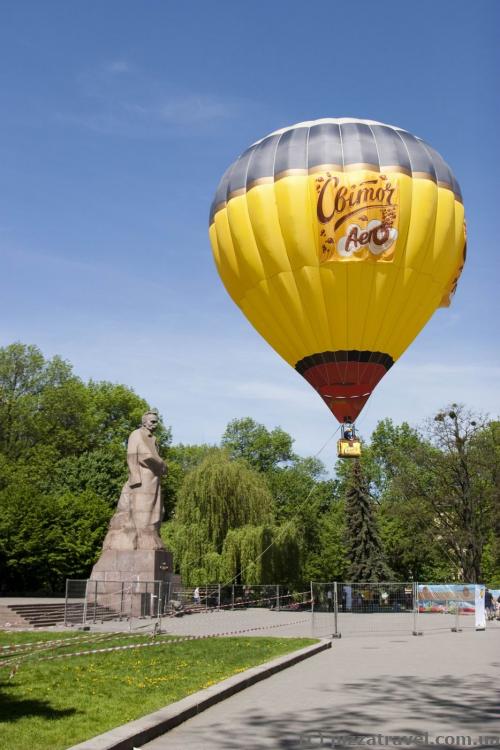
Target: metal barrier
398 607
209 597
447 606
90 601
234 596
75 601
336 608
368 608
258 609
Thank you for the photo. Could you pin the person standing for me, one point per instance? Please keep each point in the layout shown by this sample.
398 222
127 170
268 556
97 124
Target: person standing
489 605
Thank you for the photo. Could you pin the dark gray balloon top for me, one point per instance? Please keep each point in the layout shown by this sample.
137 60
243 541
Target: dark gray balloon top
337 143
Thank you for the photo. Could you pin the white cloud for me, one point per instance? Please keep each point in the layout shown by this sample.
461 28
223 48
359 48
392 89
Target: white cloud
261 390
196 108
135 105
431 370
118 66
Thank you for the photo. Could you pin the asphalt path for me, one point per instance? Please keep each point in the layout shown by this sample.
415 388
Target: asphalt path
377 689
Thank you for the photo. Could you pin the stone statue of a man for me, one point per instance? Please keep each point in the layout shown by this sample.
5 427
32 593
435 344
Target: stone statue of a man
136 523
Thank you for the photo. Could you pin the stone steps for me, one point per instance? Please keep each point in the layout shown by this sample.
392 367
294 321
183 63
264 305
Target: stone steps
45 615
9 619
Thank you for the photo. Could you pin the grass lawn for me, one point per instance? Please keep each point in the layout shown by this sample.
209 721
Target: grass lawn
51 705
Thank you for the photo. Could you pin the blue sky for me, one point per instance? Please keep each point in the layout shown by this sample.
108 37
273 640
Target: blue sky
118 120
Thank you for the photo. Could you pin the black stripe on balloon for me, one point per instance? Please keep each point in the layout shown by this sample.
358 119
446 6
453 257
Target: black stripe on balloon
343 355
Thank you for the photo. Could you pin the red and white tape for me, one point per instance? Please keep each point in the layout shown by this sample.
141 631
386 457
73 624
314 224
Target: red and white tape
159 642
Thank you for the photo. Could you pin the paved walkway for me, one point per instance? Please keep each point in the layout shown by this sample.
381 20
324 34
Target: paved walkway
252 621
9 600
442 683
265 622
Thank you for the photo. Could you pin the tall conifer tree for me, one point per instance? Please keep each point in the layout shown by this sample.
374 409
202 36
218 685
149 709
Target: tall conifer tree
364 549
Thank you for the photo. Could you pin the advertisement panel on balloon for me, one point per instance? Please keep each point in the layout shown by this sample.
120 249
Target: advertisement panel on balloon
357 216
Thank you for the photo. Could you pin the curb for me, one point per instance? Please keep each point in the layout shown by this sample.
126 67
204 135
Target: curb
136 733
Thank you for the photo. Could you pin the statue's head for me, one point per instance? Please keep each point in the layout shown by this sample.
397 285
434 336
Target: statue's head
150 420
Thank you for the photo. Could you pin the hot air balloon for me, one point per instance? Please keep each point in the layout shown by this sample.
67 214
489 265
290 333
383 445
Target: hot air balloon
338 239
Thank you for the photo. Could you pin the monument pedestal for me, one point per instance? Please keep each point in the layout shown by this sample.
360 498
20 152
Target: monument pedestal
133 565
132 583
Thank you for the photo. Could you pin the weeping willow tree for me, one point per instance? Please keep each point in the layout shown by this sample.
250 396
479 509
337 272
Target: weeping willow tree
223 529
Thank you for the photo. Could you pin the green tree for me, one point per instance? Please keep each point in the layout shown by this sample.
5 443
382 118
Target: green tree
325 555
402 486
464 496
224 528
43 402
222 494
444 484
303 495
44 542
62 466
436 491
364 549
488 446
102 471
291 485
181 459
27 382
261 448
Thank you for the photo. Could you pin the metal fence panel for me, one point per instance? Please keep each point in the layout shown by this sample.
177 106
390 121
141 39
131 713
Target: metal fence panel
334 608
446 606
236 596
75 601
91 601
368 608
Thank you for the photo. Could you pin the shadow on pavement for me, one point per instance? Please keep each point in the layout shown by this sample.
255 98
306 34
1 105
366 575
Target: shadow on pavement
408 705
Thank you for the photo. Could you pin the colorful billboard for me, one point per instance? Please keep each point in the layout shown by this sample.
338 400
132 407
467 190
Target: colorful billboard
447 598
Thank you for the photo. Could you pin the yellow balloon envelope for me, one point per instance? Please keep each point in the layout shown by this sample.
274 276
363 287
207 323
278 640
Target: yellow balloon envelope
338 239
